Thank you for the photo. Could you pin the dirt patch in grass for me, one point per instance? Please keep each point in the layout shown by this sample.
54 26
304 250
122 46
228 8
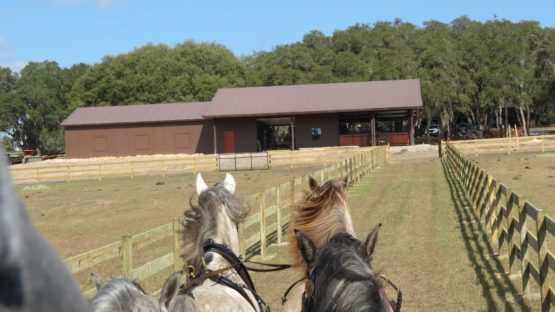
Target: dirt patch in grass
529 174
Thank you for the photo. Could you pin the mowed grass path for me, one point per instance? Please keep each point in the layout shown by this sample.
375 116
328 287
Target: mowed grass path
431 245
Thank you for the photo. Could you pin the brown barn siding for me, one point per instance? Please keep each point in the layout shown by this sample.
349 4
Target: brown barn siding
329 123
139 139
244 130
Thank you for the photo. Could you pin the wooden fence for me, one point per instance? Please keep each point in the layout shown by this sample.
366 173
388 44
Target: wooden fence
132 167
540 143
520 229
256 233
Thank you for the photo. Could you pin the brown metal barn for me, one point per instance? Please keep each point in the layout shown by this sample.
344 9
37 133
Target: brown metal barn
252 119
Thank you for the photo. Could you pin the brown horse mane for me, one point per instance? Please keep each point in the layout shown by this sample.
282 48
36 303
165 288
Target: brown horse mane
321 214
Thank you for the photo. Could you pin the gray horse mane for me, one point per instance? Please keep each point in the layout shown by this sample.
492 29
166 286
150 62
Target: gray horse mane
344 281
200 221
118 295
32 276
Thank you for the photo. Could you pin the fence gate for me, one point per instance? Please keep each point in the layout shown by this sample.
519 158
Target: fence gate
246 161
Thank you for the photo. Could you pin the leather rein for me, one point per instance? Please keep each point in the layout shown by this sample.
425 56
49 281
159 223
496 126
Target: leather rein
215 275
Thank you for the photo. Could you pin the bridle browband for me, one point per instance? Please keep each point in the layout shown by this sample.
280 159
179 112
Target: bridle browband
215 276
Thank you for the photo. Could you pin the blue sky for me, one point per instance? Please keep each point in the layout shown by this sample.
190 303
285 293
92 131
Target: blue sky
73 31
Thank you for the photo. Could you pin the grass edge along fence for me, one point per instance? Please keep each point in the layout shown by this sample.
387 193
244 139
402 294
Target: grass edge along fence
513 223
255 233
539 143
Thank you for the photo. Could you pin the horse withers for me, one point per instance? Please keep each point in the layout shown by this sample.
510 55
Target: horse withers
339 275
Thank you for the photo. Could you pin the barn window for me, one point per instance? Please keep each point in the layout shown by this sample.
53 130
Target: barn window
142 142
316 133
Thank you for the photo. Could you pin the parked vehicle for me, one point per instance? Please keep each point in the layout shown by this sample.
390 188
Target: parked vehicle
433 130
467 130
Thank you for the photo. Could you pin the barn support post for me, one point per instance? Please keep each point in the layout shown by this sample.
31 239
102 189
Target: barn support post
373 128
411 122
215 139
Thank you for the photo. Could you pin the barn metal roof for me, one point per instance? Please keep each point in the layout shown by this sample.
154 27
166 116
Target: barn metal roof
315 98
85 116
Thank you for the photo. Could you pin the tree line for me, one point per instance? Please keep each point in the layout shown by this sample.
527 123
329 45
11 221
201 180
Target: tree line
469 71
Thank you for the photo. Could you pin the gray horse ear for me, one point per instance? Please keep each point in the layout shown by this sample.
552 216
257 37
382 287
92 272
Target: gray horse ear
170 289
312 183
370 243
98 282
229 183
201 185
306 248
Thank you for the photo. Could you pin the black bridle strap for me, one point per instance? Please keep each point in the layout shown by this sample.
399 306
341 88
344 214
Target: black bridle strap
275 266
284 297
229 256
227 282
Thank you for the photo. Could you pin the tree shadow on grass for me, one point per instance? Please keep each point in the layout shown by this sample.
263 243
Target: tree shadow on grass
490 272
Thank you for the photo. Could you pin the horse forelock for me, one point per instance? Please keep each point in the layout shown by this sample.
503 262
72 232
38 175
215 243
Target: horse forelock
201 221
321 214
344 281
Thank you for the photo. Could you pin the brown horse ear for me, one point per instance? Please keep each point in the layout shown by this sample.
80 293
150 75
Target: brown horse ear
312 183
370 243
169 290
306 248
97 280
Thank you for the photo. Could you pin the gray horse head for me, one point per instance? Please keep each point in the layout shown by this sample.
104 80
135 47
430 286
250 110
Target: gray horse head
32 276
123 295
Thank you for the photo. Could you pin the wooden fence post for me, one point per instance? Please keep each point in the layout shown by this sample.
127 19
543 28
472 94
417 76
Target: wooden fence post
127 256
99 172
262 207
543 264
278 216
523 241
176 244
510 229
68 175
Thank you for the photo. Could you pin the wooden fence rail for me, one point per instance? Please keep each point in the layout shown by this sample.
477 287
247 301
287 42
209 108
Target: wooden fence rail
521 230
132 167
540 143
256 232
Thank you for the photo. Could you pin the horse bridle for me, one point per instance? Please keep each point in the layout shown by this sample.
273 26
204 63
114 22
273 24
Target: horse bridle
216 276
310 284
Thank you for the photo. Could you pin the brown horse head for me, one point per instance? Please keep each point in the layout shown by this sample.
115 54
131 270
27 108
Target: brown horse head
321 214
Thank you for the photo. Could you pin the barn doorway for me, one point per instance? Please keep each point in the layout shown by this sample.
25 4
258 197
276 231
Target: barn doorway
229 141
275 134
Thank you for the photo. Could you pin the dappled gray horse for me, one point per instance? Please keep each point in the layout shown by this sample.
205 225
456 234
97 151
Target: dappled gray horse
340 277
211 247
123 295
32 276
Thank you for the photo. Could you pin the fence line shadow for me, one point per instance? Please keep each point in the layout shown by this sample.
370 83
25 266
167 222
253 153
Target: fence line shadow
479 251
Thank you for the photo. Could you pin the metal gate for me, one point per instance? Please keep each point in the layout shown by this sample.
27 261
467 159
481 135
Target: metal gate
246 161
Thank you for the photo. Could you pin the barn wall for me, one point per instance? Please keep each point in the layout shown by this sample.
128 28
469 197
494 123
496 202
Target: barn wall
328 123
139 139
